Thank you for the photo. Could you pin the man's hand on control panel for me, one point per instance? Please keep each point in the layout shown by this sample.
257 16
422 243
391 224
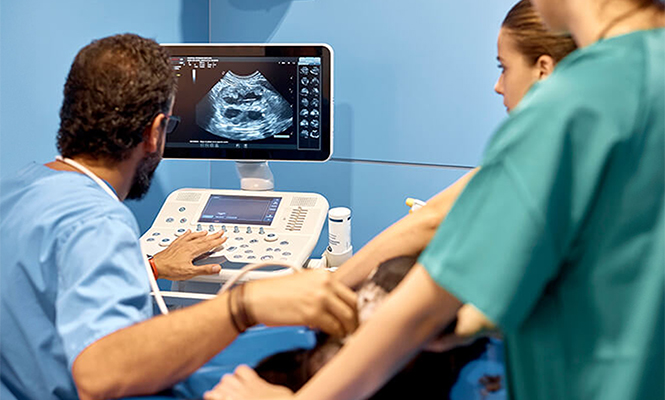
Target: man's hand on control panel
175 262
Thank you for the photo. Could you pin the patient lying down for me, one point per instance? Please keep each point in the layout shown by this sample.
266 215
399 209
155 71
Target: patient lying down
430 375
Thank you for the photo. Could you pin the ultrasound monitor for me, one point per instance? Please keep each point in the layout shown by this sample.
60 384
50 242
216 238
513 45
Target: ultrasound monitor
248 102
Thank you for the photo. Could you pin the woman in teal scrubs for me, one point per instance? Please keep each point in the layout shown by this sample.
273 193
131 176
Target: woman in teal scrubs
558 239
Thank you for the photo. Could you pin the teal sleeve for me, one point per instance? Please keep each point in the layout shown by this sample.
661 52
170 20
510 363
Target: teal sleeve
504 239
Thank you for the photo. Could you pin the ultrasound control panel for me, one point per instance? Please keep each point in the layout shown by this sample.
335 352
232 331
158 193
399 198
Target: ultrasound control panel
259 226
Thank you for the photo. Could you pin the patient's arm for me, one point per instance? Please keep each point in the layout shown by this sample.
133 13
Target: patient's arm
408 236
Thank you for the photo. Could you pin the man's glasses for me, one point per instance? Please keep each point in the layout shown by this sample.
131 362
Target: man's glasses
172 123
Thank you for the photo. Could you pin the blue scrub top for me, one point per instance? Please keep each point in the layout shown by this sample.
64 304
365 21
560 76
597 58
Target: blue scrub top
70 273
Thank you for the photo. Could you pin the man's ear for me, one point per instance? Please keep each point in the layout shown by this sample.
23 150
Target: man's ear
153 133
545 65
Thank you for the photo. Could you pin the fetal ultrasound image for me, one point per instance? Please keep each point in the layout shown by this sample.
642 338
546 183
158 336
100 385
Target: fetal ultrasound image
244 108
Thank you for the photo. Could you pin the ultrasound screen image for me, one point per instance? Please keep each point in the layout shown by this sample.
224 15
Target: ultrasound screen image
247 104
244 108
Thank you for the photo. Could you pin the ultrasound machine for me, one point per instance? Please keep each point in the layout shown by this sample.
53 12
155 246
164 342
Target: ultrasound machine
252 104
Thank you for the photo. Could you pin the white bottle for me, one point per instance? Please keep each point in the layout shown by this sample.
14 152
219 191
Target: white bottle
339 237
339 230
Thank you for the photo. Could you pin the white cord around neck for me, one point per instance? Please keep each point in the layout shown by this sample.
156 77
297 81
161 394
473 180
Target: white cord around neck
90 175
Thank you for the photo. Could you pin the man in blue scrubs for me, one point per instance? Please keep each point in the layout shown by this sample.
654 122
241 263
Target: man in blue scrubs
75 307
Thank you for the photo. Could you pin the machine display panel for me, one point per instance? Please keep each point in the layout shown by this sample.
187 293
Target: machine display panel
252 102
246 210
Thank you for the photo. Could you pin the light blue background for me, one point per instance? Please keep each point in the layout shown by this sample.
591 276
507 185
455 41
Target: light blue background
413 85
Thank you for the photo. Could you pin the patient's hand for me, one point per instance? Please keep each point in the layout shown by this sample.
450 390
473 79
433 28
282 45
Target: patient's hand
245 384
175 262
472 322
448 342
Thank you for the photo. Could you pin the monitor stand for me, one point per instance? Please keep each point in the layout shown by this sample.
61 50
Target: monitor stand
255 175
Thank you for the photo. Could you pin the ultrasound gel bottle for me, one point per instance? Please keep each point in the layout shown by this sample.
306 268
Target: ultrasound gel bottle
339 237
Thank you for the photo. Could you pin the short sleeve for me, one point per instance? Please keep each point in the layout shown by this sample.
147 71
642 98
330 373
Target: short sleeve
505 238
103 286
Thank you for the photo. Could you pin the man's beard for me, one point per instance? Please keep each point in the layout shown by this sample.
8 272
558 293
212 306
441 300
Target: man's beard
143 176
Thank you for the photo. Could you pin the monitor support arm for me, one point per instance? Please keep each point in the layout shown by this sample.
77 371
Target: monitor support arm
255 175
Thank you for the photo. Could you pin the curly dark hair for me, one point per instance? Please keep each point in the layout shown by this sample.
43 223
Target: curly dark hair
115 88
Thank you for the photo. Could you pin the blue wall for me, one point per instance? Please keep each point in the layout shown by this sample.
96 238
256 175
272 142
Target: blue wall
413 84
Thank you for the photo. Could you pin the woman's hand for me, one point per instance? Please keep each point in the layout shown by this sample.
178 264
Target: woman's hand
175 262
312 298
244 383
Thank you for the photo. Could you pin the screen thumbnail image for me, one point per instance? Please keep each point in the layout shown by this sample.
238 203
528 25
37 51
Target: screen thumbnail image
244 108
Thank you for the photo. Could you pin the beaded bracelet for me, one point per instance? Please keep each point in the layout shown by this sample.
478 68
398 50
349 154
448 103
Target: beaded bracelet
245 317
232 313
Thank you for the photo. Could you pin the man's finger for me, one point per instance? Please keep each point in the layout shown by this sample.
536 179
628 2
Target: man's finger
208 243
327 323
344 313
347 295
194 235
208 269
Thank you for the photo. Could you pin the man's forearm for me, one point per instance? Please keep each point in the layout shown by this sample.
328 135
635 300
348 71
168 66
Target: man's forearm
150 356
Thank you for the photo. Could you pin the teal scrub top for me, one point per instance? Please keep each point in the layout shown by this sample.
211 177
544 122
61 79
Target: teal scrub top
559 238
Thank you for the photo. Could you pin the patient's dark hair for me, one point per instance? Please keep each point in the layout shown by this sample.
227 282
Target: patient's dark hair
391 272
115 88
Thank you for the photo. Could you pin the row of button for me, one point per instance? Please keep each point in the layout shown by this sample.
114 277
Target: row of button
231 249
236 229
271 237
211 228
166 241
179 232
267 257
171 219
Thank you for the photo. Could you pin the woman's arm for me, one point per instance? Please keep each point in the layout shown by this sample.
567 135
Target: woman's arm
408 236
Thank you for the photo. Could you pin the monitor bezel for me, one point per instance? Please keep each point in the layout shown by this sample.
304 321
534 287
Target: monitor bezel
323 50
